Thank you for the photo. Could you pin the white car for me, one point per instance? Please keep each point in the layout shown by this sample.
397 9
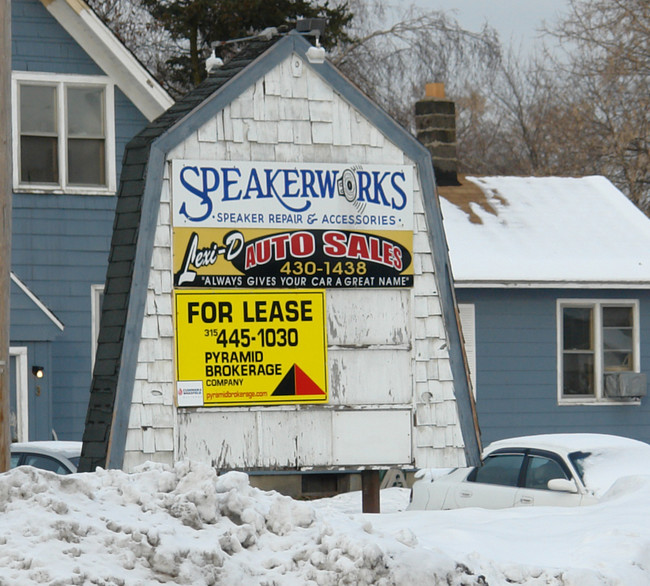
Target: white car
554 470
61 457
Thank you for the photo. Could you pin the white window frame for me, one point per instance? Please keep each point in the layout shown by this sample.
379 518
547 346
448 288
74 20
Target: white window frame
596 305
96 292
61 81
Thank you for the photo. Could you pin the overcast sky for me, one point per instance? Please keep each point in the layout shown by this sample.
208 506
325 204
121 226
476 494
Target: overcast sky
516 21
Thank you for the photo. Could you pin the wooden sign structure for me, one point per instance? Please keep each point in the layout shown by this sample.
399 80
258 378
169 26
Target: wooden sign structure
279 295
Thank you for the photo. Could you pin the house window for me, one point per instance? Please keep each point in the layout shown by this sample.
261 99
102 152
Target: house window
596 339
63 133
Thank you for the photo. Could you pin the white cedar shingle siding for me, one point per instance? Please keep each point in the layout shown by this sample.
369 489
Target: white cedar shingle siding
402 326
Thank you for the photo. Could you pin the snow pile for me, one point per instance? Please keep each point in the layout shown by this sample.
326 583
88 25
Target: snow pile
186 525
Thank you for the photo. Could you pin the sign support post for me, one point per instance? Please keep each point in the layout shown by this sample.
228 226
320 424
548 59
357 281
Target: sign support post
370 491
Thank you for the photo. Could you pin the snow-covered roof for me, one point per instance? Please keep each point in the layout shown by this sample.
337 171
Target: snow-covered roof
545 231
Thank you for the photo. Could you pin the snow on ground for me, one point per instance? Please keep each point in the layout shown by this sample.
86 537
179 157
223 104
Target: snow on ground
186 525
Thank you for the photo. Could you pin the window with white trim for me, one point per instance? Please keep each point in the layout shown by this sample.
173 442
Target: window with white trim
64 139
595 339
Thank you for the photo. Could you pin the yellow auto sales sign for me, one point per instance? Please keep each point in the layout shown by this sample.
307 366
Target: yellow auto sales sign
237 347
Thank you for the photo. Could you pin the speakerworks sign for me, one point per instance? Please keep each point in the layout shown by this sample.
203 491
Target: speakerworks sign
289 195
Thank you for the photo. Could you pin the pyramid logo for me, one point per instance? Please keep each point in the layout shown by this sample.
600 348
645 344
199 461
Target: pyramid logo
297 384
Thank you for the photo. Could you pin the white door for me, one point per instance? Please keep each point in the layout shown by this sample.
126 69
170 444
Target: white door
19 385
493 485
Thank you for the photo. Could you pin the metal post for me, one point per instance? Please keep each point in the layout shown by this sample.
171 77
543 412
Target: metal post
370 491
5 227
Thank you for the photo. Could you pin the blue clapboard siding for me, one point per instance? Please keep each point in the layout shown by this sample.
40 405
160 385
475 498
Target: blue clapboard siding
60 243
39 43
40 395
29 323
516 366
60 248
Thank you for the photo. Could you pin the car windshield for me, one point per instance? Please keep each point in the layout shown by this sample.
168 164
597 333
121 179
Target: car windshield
578 460
600 467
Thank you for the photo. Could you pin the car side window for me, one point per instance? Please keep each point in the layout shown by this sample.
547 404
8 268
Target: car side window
540 470
500 469
45 463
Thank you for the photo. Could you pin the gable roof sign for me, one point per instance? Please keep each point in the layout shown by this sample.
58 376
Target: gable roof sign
545 231
133 237
85 27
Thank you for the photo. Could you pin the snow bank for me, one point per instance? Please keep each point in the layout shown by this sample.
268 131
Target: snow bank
186 525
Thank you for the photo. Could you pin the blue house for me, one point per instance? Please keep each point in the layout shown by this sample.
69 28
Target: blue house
552 282
78 96
552 278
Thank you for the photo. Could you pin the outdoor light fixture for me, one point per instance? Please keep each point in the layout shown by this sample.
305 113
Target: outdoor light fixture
313 27
38 371
213 62
308 27
316 54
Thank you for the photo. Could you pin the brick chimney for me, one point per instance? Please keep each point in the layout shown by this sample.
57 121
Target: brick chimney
435 127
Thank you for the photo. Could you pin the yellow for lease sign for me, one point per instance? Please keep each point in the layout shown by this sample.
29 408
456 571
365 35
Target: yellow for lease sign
250 347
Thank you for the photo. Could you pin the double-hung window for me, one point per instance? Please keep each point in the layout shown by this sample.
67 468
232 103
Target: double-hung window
63 133
595 339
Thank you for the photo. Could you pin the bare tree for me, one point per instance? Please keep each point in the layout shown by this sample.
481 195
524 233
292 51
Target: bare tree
390 54
137 29
582 111
394 54
498 128
608 48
